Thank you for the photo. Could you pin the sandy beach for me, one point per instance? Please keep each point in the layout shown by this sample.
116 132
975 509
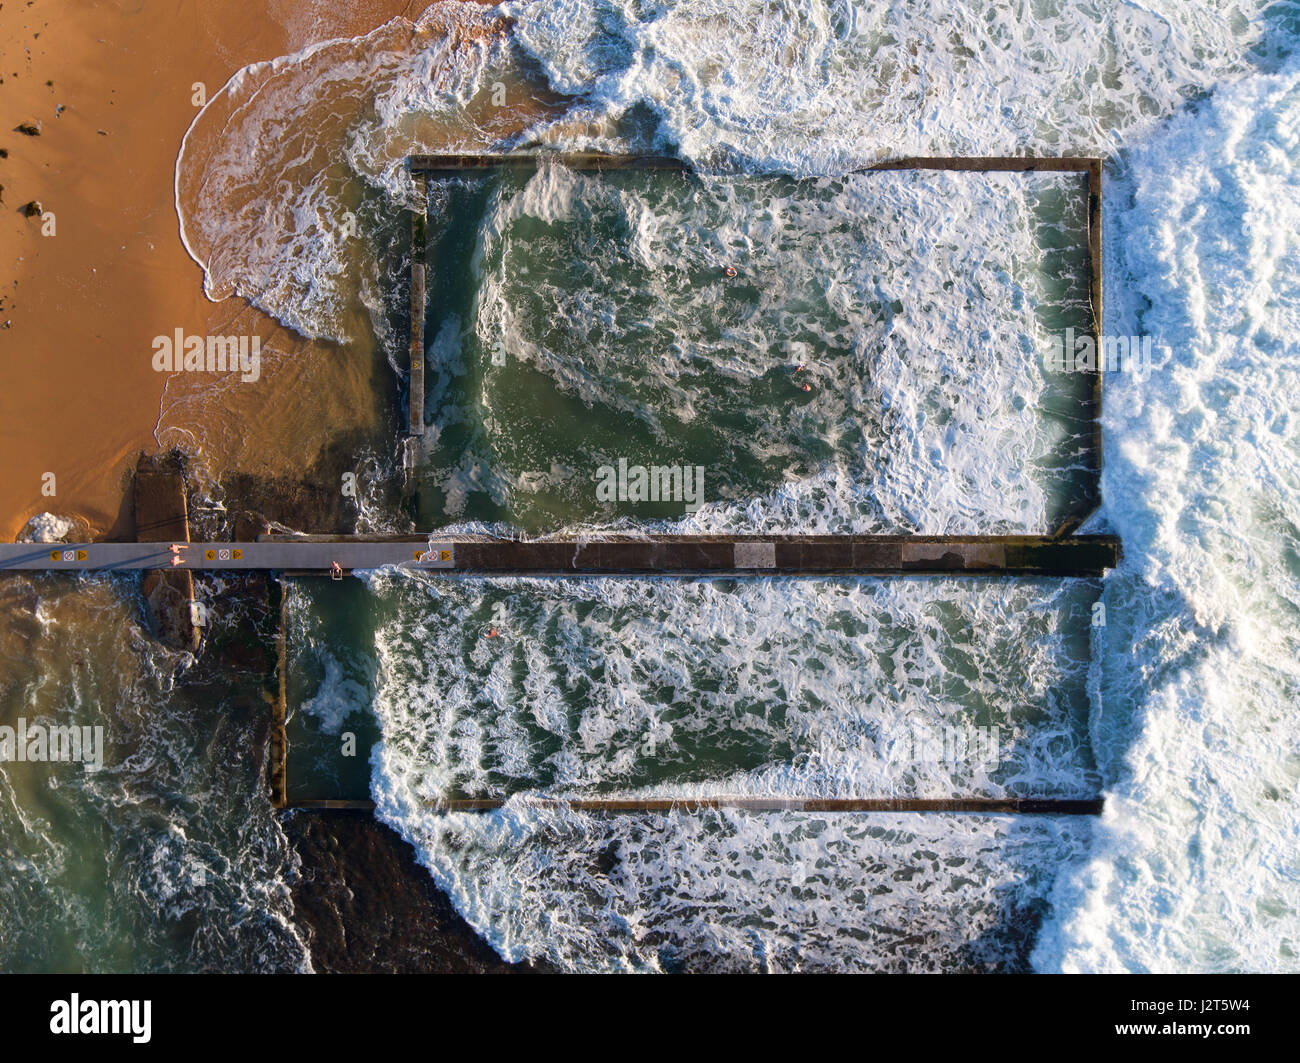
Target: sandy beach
112 89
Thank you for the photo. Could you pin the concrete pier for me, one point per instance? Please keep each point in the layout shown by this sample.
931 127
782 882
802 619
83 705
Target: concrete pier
1018 555
1043 806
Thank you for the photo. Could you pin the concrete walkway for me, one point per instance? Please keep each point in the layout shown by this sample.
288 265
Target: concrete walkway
1088 555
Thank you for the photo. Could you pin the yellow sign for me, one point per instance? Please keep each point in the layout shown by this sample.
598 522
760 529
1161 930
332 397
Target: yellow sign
444 555
211 555
237 554
81 555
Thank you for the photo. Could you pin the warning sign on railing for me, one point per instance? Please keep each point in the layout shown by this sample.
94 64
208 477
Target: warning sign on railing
68 555
438 555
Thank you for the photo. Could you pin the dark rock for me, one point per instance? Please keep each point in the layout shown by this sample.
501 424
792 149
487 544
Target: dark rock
364 905
167 596
31 210
27 129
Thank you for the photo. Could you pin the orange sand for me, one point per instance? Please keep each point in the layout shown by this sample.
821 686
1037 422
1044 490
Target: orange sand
78 395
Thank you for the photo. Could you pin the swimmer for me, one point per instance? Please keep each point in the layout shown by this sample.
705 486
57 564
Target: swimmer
799 368
729 271
807 387
492 633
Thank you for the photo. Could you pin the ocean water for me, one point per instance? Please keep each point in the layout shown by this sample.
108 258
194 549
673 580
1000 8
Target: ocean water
169 857
290 191
678 688
1196 681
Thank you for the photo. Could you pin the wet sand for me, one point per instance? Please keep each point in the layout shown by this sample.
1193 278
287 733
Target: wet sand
79 397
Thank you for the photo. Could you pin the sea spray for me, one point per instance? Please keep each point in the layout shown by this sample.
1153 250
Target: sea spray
1195 677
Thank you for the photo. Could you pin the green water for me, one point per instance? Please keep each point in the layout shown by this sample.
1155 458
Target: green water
170 858
607 685
576 320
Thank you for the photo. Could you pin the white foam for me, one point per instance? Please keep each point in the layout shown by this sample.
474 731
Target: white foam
1193 867
47 528
1195 678
337 697
819 87
271 165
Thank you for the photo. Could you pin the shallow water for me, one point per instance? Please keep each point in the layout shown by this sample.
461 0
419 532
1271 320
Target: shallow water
169 858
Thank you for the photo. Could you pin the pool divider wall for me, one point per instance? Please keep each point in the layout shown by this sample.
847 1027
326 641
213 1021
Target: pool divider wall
419 236
278 767
1094 277
451 165
681 555
688 555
